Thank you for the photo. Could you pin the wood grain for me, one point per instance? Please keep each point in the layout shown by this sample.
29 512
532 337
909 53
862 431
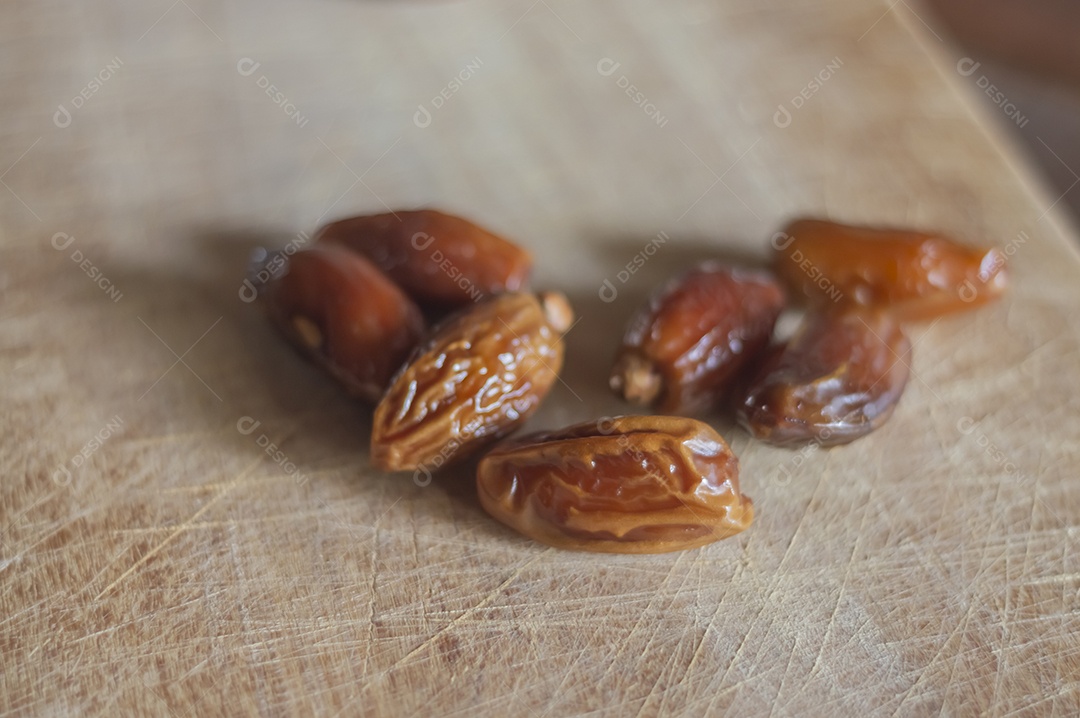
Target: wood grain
180 569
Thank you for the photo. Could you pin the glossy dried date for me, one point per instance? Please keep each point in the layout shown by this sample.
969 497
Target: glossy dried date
440 260
477 378
632 484
683 349
838 378
916 275
342 312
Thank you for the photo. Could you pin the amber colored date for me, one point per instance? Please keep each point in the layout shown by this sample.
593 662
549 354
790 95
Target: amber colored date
684 348
339 310
440 260
632 484
477 378
838 378
916 275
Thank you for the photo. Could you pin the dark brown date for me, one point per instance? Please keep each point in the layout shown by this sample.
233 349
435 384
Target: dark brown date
684 348
440 260
838 378
342 312
632 484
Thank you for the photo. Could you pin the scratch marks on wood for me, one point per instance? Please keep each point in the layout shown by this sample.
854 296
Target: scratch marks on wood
1062 579
844 583
658 625
228 524
372 598
787 669
471 611
181 528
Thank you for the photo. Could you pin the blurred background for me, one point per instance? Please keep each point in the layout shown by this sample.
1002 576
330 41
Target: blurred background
1024 58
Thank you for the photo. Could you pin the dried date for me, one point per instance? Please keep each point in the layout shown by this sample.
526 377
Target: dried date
477 378
838 378
684 348
632 484
440 260
916 275
339 310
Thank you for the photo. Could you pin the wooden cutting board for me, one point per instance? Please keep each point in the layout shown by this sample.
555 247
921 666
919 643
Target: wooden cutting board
159 557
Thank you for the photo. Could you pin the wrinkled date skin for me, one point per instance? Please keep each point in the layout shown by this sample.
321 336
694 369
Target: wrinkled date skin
632 484
838 378
686 346
477 378
916 275
343 313
442 261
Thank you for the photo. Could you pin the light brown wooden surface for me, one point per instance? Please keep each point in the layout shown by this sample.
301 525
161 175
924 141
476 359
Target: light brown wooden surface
181 571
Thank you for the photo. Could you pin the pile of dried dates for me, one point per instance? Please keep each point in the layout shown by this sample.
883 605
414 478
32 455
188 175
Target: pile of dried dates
428 316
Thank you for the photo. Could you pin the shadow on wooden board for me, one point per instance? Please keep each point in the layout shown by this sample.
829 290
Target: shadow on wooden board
254 372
